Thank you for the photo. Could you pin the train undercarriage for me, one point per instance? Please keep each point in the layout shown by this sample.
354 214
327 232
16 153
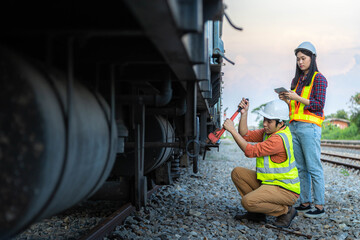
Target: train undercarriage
103 100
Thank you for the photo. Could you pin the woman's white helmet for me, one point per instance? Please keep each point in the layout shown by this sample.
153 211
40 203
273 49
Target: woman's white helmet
307 46
276 109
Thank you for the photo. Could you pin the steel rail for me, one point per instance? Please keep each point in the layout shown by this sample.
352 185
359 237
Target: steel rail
354 142
117 218
353 146
348 144
340 155
324 159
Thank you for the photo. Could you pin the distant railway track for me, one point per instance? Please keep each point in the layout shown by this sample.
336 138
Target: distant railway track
350 144
339 158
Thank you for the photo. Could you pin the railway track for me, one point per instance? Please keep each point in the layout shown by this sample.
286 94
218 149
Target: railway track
339 158
117 218
349 144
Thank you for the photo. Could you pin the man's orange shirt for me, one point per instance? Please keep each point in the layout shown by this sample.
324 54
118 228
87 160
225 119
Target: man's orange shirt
273 146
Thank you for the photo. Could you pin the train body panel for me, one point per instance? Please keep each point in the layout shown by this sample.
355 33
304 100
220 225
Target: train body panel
99 96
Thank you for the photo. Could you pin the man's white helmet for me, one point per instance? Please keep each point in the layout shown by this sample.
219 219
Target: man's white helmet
307 46
276 109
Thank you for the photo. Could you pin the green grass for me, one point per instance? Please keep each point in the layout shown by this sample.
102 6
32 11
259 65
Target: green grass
331 132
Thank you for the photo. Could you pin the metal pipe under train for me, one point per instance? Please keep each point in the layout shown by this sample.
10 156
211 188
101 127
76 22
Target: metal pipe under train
52 154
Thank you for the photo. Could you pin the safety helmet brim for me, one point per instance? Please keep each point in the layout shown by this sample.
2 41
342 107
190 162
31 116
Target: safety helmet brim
299 50
262 113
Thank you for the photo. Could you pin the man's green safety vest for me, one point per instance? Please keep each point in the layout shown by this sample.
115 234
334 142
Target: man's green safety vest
283 174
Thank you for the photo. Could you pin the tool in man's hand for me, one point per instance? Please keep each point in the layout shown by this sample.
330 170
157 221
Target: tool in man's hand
215 136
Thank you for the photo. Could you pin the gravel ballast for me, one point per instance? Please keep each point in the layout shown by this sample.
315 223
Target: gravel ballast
202 206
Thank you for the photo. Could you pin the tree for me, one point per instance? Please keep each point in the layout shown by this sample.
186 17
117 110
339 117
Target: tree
355 111
256 111
332 132
339 114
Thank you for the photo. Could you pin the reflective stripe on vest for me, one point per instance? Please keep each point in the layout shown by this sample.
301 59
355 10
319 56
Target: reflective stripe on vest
283 174
297 111
267 169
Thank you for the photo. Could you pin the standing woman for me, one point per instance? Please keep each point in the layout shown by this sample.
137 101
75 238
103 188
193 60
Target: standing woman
306 101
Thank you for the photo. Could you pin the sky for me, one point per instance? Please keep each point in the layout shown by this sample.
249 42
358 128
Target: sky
264 51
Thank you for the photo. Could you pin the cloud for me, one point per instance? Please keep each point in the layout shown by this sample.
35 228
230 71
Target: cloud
338 61
341 87
264 51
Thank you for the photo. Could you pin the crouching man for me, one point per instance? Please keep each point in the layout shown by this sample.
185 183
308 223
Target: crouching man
275 186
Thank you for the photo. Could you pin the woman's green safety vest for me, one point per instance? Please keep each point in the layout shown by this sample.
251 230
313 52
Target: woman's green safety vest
297 111
283 174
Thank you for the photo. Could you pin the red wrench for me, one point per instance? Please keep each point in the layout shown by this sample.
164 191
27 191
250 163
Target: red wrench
214 137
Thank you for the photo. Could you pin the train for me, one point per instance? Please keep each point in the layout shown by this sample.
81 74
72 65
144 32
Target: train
103 100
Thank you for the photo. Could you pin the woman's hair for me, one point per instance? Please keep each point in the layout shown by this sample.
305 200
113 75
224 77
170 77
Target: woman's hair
312 69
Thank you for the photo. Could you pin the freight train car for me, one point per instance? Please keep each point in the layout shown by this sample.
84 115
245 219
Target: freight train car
101 100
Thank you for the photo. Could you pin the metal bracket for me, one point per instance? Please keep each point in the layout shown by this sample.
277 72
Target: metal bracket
140 179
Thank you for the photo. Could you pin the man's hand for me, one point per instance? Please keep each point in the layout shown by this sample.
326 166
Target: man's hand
229 126
244 104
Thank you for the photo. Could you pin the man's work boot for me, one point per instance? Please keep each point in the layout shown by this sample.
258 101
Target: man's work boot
251 216
284 220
